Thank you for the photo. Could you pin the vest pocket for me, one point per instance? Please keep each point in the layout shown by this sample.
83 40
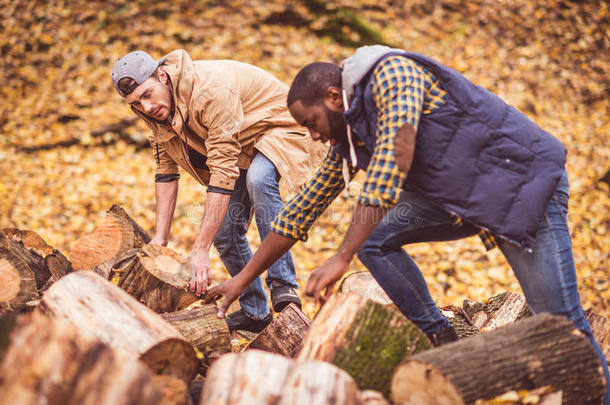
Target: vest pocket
504 153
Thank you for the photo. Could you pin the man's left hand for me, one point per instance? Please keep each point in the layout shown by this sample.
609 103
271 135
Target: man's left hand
325 277
202 274
230 290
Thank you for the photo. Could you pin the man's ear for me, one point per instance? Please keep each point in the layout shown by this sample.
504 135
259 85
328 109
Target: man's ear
334 99
162 75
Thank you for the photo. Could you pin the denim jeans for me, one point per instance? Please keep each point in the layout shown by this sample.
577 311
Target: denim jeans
547 274
256 192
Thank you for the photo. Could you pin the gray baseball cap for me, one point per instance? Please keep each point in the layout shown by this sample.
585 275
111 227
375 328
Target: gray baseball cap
137 65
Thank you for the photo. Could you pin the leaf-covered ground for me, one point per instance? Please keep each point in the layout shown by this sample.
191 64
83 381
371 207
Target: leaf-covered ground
549 59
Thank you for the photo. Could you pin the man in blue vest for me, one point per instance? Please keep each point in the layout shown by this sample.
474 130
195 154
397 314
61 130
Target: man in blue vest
444 159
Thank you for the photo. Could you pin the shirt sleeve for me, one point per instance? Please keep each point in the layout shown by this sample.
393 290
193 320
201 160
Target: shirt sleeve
220 110
398 87
310 202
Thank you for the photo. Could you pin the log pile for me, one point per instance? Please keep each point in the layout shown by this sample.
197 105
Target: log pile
364 338
543 350
50 362
103 311
28 266
257 377
129 332
204 330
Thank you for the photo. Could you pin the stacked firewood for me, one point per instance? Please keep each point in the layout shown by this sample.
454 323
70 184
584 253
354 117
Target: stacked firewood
116 324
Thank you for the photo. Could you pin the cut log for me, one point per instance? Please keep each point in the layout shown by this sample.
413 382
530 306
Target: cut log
22 275
460 321
250 377
535 352
600 325
364 338
500 310
102 310
316 382
363 283
116 235
159 279
203 329
57 264
257 377
116 267
27 267
49 362
285 333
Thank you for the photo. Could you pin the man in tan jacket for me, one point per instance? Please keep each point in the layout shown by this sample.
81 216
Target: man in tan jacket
226 124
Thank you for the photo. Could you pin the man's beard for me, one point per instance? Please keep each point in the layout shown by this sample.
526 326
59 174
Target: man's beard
338 129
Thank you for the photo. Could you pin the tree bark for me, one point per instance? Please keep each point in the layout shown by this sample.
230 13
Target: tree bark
535 352
204 330
364 338
49 362
22 274
460 321
500 310
159 279
600 325
257 377
116 267
57 264
285 334
116 235
100 309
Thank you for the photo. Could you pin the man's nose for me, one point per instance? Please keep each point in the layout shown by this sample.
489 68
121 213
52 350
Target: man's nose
147 106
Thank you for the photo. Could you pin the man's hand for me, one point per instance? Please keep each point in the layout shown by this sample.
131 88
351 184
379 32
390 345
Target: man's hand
202 274
159 240
325 277
230 290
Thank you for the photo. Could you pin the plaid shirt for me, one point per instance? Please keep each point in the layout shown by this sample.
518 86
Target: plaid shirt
402 91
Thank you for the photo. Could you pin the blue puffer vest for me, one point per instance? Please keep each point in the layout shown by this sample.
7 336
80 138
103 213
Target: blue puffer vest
475 156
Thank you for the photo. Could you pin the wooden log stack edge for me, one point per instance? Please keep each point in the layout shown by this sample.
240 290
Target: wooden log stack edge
50 362
101 310
535 352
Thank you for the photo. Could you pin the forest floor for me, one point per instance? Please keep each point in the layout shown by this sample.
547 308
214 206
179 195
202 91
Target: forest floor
60 170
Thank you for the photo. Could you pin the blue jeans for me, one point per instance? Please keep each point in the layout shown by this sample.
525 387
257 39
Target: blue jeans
256 192
547 274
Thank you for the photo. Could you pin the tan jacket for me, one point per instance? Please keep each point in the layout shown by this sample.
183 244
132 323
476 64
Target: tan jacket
225 110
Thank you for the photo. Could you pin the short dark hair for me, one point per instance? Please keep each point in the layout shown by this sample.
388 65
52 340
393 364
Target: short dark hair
127 84
312 82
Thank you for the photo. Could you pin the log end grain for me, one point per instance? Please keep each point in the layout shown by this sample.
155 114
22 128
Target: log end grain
418 383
